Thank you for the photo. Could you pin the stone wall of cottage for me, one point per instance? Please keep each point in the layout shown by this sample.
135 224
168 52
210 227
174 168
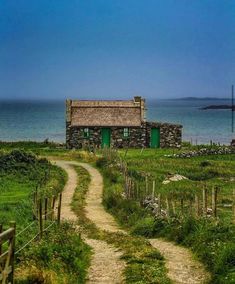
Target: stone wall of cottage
170 136
136 139
75 137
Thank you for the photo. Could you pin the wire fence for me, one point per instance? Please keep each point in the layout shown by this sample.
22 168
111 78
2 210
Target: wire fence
46 213
142 187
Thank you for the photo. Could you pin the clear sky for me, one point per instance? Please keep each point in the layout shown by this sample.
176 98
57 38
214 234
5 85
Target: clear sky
116 48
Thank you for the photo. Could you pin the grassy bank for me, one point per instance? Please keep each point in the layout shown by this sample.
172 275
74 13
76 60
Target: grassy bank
20 174
47 149
61 256
212 240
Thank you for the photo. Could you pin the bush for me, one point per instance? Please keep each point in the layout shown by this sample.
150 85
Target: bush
226 259
101 162
145 227
112 174
205 164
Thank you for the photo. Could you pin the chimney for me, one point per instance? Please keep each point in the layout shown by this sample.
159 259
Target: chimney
68 110
138 100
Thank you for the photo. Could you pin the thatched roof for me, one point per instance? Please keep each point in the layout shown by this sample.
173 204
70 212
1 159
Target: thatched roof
127 113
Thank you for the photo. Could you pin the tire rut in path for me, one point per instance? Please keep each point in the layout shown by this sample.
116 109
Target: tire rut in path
106 265
182 268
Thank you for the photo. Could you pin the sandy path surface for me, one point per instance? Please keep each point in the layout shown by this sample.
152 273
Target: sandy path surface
182 268
94 208
106 265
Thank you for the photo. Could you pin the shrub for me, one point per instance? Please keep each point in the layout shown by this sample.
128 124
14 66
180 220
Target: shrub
101 162
226 259
144 227
205 164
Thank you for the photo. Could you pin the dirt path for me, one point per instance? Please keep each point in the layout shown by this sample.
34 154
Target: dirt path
182 268
106 265
94 208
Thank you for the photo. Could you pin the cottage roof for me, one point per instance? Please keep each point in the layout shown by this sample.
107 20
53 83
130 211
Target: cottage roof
121 113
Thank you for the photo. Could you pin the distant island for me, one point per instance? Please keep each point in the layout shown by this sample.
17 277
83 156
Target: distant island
217 107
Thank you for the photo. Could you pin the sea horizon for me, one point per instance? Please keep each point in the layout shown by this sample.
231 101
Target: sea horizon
40 119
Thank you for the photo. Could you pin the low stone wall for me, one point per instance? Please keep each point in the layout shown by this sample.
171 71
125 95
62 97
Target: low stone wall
170 136
205 152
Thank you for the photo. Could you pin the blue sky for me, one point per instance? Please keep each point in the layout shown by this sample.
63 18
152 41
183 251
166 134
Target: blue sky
104 49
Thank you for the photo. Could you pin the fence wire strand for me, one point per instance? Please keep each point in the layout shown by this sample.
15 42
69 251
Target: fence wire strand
25 245
32 239
18 234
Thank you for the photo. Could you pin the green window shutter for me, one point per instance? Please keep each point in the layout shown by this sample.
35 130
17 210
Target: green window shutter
86 132
126 132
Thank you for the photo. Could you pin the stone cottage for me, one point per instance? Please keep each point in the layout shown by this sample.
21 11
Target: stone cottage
118 124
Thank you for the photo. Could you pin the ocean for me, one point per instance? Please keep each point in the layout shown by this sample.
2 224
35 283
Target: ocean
38 120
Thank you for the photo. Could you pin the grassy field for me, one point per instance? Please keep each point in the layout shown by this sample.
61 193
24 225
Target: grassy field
212 240
61 256
205 171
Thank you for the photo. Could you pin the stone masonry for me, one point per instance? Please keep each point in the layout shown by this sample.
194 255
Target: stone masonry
170 136
115 115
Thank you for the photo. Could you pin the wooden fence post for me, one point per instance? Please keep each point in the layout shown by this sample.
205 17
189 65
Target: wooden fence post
182 205
137 190
59 209
12 248
214 201
234 205
53 207
153 191
0 241
167 206
146 185
173 207
45 209
204 201
141 150
36 202
40 220
197 205
159 204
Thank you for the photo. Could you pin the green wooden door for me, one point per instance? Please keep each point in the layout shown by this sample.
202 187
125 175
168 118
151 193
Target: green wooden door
155 138
105 137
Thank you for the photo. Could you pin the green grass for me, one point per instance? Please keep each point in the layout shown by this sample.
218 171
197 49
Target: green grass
211 240
47 149
61 256
209 171
20 174
144 263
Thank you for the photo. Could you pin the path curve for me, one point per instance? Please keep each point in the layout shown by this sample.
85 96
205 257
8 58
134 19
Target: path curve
182 268
106 265
94 208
